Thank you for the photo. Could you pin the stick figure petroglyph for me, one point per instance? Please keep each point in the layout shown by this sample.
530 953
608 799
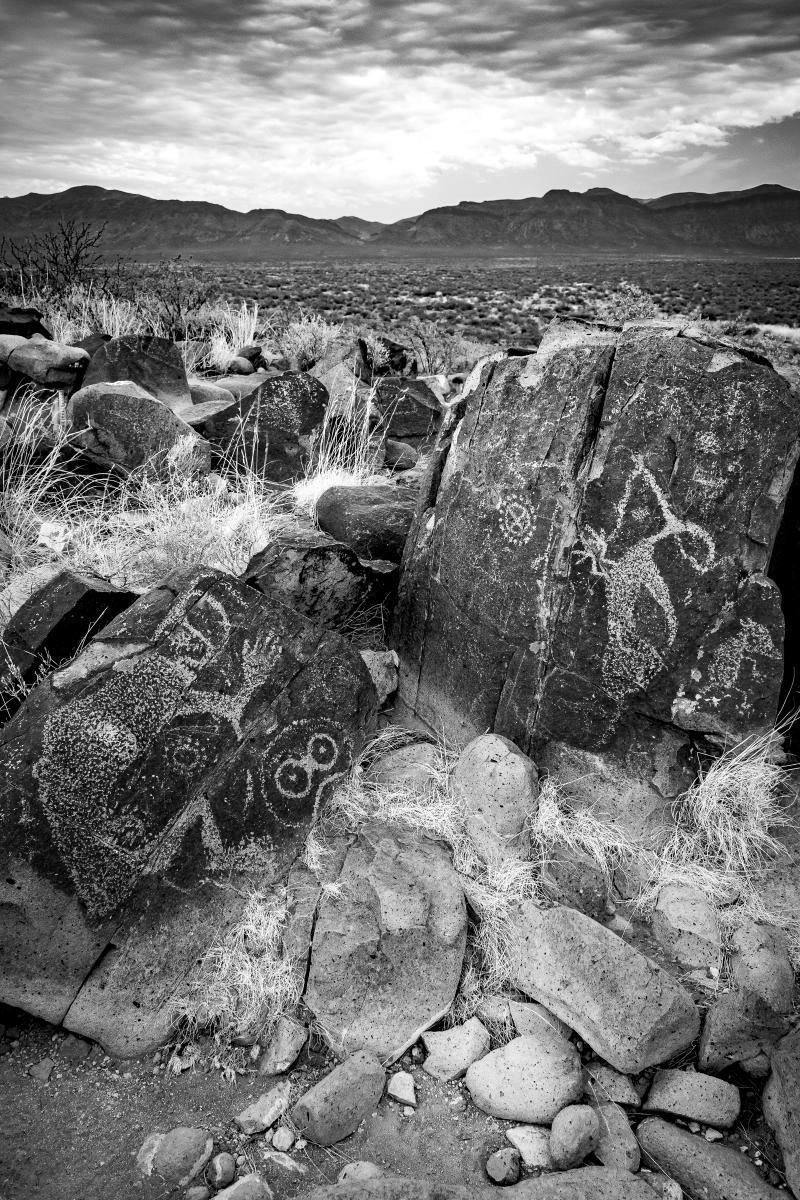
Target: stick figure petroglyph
642 623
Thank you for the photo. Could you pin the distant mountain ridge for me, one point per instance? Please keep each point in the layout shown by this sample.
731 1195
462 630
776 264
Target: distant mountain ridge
760 220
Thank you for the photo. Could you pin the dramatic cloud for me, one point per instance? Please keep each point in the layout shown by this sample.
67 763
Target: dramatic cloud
382 107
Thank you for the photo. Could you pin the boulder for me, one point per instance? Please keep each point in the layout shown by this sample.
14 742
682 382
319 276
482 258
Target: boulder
49 363
743 1024
452 1051
685 925
497 785
240 386
694 1095
275 425
122 425
265 1110
616 1143
373 519
399 456
382 666
603 1084
182 754
319 577
204 391
611 581
574 1134
8 343
782 1104
153 363
406 767
237 364
46 614
247 1187
585 1183
393 1187
411 411
529 1079
22 322
701 1168
360 1171
629 1010
387 951
529 1018
335 1107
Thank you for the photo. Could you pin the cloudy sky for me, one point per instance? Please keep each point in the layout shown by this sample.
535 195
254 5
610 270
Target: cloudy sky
384 108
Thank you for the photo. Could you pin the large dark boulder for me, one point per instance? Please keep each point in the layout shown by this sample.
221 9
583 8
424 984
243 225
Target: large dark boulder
178 760
274 425
319 577
411 410
45 616
123 425
597 543
24 322
373 519
154 363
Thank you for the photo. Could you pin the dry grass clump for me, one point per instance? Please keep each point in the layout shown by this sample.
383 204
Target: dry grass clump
230 327
346 453
130 530
242 985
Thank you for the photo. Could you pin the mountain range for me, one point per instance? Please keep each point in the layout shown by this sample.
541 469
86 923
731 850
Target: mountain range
763 220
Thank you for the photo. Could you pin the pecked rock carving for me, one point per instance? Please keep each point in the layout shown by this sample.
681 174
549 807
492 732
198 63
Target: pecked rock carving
185 749
606 563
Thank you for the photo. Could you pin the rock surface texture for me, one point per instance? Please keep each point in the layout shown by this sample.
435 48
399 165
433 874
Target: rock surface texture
387 951
629 1010
186 746
625 531
782 1104
711 1171
154 363
122 425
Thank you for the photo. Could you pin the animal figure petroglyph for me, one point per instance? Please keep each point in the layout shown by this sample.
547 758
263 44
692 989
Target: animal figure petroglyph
106 839
638 599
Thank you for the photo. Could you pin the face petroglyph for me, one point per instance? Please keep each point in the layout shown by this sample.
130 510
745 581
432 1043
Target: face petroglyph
642 622
162 744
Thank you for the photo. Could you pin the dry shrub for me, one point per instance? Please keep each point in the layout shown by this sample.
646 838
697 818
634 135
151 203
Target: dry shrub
305 339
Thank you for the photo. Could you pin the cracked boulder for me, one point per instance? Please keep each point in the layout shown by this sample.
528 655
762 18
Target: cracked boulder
122 425
411 411
625 488
388 943
179 757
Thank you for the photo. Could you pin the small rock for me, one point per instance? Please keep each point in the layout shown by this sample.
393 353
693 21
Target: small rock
498 787
533 1143
265 1111
574 1134
714 1135
288 1039
283 1139
400 455
336 1106
42 1070
694 1095
452 1051
221 1170
401 1088
503 1166
249 1187
198 1192
176 1156
75 1049
617 1145
529 1079
360 1172
383 668
604 1083
528 1018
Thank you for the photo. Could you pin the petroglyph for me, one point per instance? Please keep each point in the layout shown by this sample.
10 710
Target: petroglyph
641 618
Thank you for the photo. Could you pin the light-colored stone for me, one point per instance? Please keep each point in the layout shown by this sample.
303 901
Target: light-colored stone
221 1170
249 1187
8 343
574 1134
266 1110
498 787
452 1051
336 1106
629 1010
528 1018
408 766
48 363
713 1172
283 1139
288 1039
686 926
533 1143
401 1088
604 1083
177 1156
41 1070
360 1172
694 1095
382 666
529 1079
616 1145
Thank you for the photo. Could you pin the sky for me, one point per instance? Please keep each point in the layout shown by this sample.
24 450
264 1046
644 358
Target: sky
383 108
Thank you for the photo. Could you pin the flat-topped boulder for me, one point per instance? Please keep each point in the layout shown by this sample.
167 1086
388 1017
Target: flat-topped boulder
373 520
176 761
154 363
48 363
627 1008
625 489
